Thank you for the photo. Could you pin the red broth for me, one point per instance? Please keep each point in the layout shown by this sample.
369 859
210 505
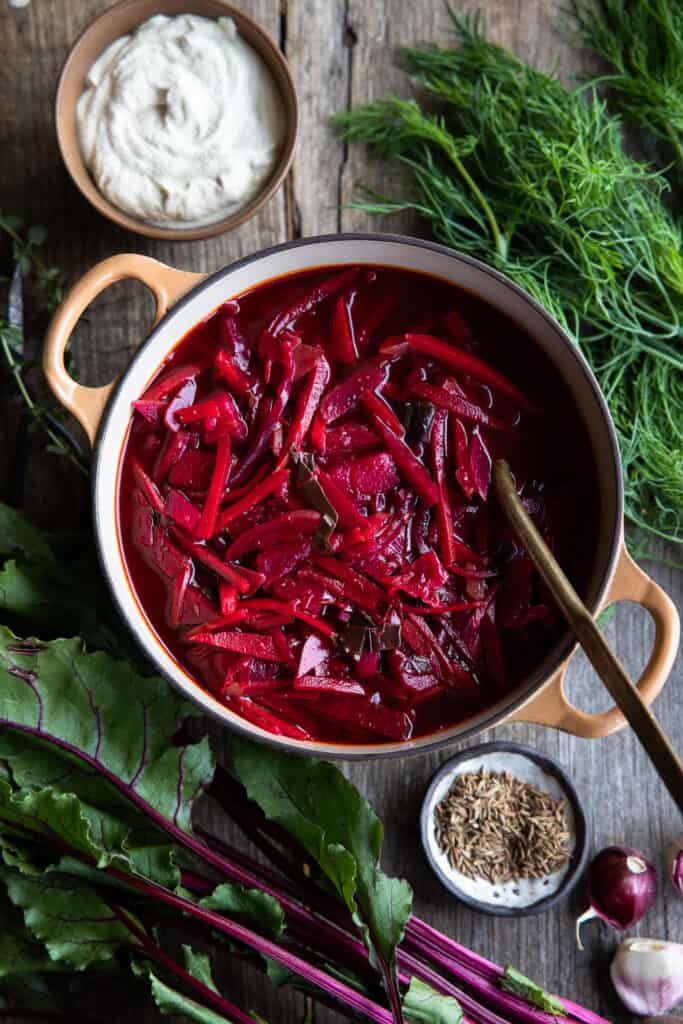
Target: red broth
306 509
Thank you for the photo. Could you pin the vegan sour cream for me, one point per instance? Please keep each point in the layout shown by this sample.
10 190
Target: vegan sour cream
180 123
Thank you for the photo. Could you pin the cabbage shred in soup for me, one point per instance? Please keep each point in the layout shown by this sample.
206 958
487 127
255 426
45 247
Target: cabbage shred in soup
306 508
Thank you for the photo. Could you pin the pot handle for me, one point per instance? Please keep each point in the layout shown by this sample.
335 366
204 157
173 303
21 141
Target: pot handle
166 284
552 707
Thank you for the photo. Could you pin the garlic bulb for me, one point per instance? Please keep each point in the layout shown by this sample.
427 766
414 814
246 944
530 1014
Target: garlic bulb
648 975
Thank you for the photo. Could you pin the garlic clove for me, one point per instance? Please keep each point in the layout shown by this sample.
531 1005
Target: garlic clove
648 975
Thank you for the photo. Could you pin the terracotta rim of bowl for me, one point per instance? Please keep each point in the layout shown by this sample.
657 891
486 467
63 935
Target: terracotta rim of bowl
121 19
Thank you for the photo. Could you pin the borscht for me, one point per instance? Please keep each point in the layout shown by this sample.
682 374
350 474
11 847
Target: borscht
306 510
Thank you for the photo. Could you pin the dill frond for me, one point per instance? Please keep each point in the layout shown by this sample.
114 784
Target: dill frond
642 44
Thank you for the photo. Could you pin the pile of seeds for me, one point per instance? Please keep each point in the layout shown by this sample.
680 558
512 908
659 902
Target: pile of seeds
494 826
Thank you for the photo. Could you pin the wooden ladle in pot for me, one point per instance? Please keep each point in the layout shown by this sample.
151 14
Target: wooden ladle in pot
621 688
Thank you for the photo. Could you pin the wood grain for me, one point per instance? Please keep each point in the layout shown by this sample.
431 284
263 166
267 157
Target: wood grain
341 53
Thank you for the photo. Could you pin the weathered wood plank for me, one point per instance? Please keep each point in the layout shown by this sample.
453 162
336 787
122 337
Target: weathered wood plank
318 53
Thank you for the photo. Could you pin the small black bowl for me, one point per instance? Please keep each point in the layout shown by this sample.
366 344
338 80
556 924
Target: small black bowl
559 785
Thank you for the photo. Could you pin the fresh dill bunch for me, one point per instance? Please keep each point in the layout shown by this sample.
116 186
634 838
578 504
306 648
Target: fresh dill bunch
510 166
642 43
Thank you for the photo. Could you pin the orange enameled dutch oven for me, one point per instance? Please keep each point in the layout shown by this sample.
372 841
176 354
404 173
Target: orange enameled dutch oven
183 299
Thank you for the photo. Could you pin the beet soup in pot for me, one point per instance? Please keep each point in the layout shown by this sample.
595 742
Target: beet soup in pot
305 523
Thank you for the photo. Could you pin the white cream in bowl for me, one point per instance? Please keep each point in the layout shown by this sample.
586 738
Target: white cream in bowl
180 123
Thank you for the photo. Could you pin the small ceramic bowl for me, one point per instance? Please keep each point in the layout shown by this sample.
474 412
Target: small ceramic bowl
511 899
122 19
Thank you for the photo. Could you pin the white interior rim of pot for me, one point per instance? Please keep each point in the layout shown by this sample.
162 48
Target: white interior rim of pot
333 250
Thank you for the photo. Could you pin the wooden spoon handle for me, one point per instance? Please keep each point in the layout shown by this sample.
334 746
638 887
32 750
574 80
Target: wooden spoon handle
604 661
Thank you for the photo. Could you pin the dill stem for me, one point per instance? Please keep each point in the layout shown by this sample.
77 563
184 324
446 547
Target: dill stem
498 237
675 140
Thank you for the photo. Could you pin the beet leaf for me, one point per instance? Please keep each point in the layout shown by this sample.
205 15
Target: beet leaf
19 537
322 810
110 719
35 588
76 926
19 952
425 1006
251 906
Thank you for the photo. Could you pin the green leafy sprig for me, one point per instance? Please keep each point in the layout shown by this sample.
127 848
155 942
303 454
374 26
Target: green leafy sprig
26 252
642 44
510 166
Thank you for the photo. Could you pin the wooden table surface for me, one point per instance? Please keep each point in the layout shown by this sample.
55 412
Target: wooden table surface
340 52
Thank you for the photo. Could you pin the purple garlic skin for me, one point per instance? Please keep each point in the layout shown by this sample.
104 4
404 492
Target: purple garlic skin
621 885
648 975
675 861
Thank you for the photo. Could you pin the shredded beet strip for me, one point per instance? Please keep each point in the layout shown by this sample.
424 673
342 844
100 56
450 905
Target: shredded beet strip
252 687
152 411
377 405
443 510
148 487
172 450
227 596
325 684
460 406
255 645
246 608
171 380
221 409
349 516
457 359
343 398
207 524
422 640
269 722
310 300
318 431
342 335
177 595
260 442
341 588
231 574
252 498
316 623
349 575
229 619
407 463
307 407
237 379
302 523
182 512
